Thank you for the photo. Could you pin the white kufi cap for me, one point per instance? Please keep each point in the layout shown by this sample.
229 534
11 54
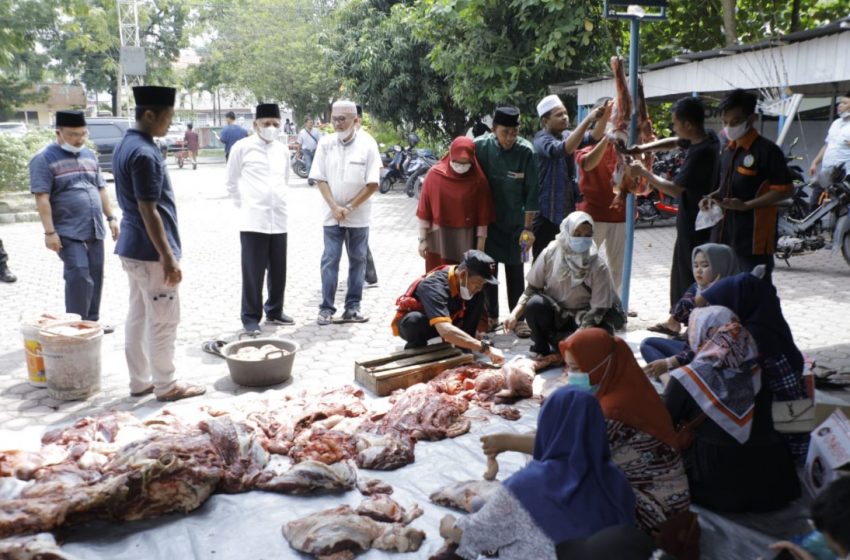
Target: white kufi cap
547 104
344 106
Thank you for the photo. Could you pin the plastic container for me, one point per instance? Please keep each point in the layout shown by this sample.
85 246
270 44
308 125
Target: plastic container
32 346
71 351
261 373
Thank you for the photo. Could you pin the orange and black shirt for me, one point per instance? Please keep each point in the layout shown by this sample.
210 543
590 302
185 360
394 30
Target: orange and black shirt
439 294
749 168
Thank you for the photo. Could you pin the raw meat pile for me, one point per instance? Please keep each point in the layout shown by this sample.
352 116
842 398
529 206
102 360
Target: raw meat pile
117 467
34 547
340 533
465 496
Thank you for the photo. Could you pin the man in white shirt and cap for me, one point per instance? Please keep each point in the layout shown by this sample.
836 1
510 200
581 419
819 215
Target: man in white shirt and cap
555 145
347 169
258 181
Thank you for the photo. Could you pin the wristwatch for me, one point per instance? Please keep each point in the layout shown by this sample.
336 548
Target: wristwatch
485 345
111 218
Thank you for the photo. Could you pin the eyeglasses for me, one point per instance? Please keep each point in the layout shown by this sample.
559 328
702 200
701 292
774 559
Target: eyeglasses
75 135
340 119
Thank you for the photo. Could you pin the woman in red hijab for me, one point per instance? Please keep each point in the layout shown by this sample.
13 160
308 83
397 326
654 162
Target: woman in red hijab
455 207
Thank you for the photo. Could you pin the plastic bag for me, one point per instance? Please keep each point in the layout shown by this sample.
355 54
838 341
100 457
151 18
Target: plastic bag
708 218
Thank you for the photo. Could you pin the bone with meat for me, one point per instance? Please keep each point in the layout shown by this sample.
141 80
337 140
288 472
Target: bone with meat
383 508
466 495
326 446
340 533
371 486
34 547
309 477
384 452
519 377
425 414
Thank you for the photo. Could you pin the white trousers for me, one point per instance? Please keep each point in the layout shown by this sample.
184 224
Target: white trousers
151 329
612 235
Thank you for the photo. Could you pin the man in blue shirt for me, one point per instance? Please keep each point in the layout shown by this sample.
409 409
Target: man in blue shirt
231 134
149 248
554 146
71 198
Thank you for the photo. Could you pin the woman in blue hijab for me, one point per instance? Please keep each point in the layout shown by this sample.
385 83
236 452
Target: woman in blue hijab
571 489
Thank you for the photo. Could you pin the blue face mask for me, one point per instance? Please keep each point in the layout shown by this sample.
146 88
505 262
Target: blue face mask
579 380
581 244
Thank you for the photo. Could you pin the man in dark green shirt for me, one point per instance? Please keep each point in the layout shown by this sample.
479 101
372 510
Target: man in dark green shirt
511 169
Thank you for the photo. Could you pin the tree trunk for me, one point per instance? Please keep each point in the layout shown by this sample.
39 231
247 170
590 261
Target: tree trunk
795 16
729 27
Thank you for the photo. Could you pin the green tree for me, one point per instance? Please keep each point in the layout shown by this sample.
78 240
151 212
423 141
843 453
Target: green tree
86 45
509 52
386 68
21 66
275 50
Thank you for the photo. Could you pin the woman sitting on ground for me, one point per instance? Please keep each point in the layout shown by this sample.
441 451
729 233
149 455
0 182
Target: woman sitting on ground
754 300
711 262
643 441
455 207
571 489
737 461
569 287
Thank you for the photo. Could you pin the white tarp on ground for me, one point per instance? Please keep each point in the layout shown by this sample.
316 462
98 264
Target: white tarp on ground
244 526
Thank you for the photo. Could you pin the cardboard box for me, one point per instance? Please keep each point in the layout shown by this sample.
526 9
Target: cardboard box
829 452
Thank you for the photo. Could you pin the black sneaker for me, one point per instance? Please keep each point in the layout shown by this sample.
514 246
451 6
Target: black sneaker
6 275
353 316
284 319
252 330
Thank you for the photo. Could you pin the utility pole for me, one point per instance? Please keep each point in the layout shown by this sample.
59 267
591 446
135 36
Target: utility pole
132 68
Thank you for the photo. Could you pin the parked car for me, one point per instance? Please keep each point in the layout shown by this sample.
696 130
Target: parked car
106 132
16 129
174 137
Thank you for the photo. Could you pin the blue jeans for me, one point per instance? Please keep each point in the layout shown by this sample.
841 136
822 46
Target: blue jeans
657 348
83 276
308 159
357 244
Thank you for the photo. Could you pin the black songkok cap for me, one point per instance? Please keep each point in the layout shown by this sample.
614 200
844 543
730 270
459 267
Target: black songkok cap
506 116
154 96
267 111
70 118
480 264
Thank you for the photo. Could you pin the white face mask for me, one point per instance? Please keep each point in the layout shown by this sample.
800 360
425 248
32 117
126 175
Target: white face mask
737 131
460 168
73 149
268 133
464 290
347 135
581 244
844 114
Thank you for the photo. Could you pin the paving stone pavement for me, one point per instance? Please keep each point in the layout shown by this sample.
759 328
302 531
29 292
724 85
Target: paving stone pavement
814 294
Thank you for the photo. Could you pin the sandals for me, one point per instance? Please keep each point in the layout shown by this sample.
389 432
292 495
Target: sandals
213 347
181 391
522 330
661 328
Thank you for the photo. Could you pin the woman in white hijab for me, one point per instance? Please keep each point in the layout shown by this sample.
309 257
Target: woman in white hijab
569 287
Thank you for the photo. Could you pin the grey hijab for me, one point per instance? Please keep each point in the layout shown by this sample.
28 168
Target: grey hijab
721 258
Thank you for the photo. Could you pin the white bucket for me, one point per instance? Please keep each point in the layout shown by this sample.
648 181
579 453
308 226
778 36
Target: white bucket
32 347
71 352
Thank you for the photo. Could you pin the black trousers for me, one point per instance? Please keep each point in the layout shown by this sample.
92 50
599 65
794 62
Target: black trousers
682 269
546 333
263 257
544 233
515 280
3 255
746 263
415 328
371 271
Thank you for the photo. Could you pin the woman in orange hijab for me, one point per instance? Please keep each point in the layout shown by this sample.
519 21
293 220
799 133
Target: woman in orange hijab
455 207
643 441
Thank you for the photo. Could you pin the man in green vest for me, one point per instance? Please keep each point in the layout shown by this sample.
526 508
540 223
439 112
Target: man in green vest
510 165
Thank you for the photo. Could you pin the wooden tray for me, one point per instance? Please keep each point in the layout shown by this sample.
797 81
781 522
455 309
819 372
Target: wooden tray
402 369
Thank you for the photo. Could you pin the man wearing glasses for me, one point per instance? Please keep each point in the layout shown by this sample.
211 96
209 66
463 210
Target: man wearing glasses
347 169
71 199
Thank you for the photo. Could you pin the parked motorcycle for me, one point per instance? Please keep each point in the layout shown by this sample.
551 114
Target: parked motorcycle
296 160
655 205
809 234
397 170
422 160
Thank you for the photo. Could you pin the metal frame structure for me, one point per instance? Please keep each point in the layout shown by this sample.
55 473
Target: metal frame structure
128 33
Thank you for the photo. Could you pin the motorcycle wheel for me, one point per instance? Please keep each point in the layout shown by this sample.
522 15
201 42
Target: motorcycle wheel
299 168
410 184
180 162
418 186
845 248
386 185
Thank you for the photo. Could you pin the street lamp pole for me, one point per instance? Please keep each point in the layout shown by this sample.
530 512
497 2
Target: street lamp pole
635 14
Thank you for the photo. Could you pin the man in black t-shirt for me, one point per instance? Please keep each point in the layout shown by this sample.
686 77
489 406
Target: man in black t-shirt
448 302
753 179
696 179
